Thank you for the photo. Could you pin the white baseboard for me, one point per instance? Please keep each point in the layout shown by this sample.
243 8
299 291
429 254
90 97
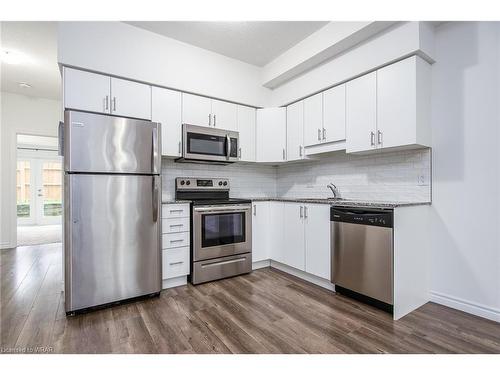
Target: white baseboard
466 306
172 283
261 264
303 275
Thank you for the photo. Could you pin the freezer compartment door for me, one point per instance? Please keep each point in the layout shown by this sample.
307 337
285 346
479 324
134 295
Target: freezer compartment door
112 238
96 143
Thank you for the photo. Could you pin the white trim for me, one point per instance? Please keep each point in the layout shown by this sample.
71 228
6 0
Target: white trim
173 282
303 275
261 264
5 245
466 306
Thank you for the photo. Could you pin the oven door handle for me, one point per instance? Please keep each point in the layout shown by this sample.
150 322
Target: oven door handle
225 209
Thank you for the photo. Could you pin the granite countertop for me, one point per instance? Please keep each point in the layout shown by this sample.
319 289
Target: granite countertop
344 202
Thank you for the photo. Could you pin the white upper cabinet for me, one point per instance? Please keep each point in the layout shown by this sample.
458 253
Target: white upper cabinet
293 238
260 228
295 131
334 114
246 128
86 91
99 93
225 115
196 110
317 240
130 99
166 109
361 113
403 104
313 120
271 135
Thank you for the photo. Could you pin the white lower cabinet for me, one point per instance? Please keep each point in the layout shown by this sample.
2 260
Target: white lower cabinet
294 234
175 244
260 222
293 237
317 240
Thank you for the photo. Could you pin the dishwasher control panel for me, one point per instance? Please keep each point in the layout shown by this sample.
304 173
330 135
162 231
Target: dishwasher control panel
375 217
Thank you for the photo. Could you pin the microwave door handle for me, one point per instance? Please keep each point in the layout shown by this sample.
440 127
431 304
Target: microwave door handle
228 146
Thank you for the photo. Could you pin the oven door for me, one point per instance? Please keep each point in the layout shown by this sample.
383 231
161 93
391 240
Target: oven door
221 231
202 143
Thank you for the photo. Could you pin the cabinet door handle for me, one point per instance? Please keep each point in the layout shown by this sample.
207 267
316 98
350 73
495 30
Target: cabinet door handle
179 147
379 137
300 150
215 120
175 263
301 212
239 153
305 212
106 103
324 133
254 210
209 119
114 103
319 134
284 156
372 138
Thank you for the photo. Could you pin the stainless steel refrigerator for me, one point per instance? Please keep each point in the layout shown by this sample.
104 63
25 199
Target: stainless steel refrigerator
112 204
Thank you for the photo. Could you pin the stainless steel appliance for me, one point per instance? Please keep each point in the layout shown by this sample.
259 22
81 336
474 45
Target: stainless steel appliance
208 145
362 254
221 229
112 186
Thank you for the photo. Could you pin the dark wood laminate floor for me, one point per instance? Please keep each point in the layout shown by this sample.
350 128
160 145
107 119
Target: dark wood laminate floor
266 311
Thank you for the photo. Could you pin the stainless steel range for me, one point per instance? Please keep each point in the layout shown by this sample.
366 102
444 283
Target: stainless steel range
221 229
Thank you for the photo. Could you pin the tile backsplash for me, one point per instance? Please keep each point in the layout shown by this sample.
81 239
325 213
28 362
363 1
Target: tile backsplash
394 176
246 180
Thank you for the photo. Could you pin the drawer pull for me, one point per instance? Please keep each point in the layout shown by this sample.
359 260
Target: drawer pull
178 210
176 225
224 262
176 241
175 263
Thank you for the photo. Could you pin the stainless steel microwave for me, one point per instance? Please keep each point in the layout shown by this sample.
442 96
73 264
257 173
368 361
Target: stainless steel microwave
209 145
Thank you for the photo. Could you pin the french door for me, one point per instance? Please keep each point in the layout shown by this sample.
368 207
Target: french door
39 191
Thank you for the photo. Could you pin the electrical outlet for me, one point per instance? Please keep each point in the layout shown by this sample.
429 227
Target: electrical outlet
421 180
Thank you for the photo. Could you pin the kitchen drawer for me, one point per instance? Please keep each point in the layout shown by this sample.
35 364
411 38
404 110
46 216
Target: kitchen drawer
171 240
175 262
175 225
170 211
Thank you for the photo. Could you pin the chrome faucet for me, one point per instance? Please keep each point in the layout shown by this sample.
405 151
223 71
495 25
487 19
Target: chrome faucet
335 191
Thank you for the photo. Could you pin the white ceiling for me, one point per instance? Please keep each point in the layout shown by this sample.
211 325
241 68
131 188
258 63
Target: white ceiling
254 42
37 40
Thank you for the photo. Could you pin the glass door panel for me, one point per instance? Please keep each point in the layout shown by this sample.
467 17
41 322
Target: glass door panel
24 192
49 192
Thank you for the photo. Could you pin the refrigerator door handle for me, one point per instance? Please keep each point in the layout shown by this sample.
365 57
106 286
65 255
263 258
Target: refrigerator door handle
154 150
60 132
155 199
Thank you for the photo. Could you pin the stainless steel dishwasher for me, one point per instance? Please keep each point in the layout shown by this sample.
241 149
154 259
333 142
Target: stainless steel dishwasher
362 254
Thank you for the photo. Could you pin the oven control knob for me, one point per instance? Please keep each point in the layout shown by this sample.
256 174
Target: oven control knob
182 182
225 183
188 182
220 183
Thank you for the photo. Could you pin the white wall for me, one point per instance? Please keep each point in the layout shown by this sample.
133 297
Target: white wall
466 168
27 115
124 50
